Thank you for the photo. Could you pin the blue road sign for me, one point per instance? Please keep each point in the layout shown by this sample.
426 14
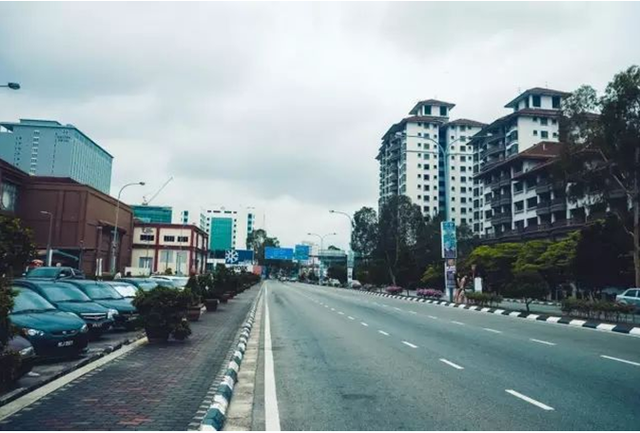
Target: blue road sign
273 253
233 257
301 252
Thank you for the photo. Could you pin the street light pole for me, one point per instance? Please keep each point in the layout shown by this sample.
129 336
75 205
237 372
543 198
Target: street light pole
321 248
115 227
350 251
12 86
49 251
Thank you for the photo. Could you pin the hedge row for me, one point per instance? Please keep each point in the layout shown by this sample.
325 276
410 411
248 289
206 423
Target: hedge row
483 299
596 309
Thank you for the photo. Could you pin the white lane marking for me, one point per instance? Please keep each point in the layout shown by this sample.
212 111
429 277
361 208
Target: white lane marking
413 346
457 323
341 313
351 318
363 324
456 366
413 312
432 317
495 331
529 399
637 364
272 416
333 309
396 308
382 332
548 343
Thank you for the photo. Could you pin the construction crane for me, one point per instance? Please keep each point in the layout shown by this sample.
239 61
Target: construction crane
146 201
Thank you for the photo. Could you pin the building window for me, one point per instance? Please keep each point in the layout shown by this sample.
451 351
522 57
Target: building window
555 101
168 238
463 138
535 100
463 199
544 121
9 197
183 238
463 168
419 144
463 179
535 119
535 132
427 109
544 134
462 127
443 111
166 256
554 121
463 189
147 238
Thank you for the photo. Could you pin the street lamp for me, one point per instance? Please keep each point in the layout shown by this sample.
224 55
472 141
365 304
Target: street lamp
49 251
115 227
350 252
12 86
321 248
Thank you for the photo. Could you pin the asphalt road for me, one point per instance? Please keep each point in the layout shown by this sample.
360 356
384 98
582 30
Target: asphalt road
345 360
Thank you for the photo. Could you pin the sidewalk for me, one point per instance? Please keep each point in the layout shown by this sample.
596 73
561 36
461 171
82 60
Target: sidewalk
156 387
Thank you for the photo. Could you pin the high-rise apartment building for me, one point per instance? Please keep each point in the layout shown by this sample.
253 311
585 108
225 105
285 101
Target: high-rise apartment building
228 228
428 158
48 148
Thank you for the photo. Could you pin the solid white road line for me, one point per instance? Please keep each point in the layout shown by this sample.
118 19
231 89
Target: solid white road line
272 416
456 366
637 364
382 332
495 331
413 346
363 324
548 343
351 318
457 323
528 399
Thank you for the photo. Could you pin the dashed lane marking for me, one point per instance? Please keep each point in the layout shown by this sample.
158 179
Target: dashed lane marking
637 364
451 364
529 399
548 343
382 332
413 346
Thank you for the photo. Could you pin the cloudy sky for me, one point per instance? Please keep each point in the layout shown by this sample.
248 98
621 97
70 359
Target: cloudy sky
281 106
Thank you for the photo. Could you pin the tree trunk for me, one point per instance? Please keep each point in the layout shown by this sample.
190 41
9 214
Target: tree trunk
636 237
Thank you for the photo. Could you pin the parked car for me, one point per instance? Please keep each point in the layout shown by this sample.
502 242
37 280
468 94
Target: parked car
66 297
175 281
54 273
126 290
109 297
53 333
27 353
145 284
334 283
630 297
355 284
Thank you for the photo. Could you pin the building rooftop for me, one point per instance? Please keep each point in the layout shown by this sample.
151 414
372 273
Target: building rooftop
536 91
543 150
466 122
415 109
48 124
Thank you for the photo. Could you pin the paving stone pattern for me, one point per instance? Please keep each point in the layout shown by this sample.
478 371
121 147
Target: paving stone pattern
156 387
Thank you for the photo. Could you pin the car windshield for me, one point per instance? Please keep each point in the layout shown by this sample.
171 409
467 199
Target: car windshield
43 273
101 292
62 292
126 290
28 301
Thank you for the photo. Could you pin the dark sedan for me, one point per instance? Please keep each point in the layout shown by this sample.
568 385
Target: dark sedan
126 290
53 333
54 273
66 297
25 350
145 284
108 297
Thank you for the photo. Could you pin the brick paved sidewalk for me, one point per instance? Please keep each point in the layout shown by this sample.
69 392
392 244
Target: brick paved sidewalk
156 387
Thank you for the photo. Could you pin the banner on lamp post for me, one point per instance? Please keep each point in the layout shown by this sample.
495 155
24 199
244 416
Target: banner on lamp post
448 240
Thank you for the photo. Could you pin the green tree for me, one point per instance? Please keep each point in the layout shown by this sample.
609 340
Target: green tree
433 277
338 272
528 285
495 263
16 247
257 241
364 233
333 248
557 263
602 160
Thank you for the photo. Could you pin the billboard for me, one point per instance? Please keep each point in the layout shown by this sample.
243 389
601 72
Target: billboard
301 253
449 242
234 257
273 253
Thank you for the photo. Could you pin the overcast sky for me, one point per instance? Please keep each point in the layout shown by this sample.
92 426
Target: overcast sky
282 106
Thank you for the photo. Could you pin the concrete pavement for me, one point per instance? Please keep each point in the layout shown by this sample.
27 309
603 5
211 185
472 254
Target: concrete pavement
345 361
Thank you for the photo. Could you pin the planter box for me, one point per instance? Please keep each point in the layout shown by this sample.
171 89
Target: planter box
194 313
157 335
211 304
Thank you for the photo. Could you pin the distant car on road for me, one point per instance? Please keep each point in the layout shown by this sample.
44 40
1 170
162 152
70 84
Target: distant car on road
630 297
53 333
54 273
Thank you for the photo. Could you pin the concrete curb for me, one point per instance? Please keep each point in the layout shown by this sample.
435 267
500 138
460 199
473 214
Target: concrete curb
16 394
621 328
216 415
520 301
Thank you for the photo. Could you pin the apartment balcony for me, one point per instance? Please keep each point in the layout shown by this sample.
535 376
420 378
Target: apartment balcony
492 150
505 199
543 187
543 207
501 218
505 181
559 204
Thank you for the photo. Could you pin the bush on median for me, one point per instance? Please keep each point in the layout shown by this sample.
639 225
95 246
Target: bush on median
394 290
596 309
429 293
483 299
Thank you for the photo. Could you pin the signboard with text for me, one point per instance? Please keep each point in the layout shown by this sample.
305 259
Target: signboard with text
301 253
274 253
448 238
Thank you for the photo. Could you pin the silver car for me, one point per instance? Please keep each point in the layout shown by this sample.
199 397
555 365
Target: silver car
630 297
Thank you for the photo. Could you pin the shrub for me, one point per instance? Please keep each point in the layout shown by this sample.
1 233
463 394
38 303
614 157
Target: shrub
483 299
596 309
394 290
429 293
163 310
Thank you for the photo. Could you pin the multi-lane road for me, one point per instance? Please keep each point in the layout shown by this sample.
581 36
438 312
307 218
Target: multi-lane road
343 360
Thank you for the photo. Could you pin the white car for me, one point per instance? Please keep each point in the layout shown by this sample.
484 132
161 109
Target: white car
630 297
178 281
